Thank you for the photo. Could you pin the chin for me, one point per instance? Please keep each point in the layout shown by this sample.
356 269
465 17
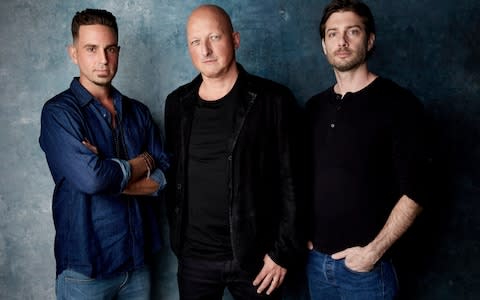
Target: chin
105 82
211 74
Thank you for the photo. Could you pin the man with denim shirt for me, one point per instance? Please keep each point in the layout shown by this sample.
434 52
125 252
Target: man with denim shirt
105 154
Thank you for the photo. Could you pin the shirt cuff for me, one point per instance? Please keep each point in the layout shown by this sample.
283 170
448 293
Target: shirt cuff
126 170
158 176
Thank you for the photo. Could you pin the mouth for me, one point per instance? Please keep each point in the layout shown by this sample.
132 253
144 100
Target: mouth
102 72
342 53
209 61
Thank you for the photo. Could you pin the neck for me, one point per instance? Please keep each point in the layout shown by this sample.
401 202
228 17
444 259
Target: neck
100 92
216 88
353 80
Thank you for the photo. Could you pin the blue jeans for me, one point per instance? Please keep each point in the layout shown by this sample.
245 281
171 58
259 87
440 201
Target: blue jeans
206 280
134 285
330 279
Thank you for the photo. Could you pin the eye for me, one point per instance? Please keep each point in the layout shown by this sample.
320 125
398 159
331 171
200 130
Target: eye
215 37
331 34
113 50
194 42
90 49
353 32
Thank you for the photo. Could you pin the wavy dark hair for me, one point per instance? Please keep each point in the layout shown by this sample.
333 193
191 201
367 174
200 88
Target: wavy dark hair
355 6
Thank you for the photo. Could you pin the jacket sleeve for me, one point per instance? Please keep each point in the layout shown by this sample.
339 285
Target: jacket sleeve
290 244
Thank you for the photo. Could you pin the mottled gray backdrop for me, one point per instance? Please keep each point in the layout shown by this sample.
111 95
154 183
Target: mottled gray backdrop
431 47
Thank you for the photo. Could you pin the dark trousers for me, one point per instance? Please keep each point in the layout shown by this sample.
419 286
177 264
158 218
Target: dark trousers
203 279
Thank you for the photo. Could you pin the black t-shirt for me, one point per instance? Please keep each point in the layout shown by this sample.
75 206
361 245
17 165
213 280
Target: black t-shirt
366 149
208 229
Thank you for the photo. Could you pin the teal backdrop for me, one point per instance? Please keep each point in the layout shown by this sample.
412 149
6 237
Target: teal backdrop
430 46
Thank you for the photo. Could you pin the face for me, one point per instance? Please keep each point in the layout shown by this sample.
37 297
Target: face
211 43
346 43
96 52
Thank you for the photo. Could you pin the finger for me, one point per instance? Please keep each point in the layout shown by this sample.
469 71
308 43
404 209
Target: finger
265 283
310 245
260 277
91 148
86 144
281 278
340 255
273 285
355 267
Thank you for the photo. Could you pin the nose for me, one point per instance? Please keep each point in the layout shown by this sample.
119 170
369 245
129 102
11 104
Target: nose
343 40
205 48
103 56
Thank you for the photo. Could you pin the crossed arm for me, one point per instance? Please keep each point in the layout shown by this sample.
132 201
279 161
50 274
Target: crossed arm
139 183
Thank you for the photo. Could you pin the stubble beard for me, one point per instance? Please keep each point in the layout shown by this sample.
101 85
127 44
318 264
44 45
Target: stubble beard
353 62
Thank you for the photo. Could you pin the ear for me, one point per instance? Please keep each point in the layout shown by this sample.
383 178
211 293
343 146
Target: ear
236 39
72 52
323 47
371 41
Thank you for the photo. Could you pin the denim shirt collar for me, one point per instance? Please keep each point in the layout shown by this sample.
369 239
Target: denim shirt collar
83 96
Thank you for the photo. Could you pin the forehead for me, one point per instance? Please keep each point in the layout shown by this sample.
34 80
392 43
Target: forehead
206 20
343 19
96 33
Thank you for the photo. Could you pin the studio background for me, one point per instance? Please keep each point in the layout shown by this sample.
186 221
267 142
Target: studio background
430 47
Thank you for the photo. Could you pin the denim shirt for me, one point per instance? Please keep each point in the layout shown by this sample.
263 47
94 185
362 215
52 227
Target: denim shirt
100 231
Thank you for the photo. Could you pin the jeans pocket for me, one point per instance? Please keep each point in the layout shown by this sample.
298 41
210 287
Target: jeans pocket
73 276
372 271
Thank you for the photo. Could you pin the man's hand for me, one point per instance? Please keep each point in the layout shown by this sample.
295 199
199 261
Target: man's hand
359 259
89 146
141 187
363 259
271 276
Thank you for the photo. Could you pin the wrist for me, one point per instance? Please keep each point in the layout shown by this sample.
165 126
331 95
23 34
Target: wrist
374 252
149 162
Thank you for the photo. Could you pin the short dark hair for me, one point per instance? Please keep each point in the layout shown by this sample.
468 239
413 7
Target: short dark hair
91 16
355 6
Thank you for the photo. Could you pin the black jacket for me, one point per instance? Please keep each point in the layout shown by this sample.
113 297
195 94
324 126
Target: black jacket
261 182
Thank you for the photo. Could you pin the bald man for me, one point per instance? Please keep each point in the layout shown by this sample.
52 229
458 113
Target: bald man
232 193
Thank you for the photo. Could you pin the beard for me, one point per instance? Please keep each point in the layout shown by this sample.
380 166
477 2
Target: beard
352 62
102 82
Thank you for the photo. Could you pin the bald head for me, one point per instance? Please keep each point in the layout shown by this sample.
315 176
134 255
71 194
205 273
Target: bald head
213 13
212 42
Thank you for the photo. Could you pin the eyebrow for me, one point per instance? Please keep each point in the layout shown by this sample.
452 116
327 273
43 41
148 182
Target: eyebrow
348 27
96 46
